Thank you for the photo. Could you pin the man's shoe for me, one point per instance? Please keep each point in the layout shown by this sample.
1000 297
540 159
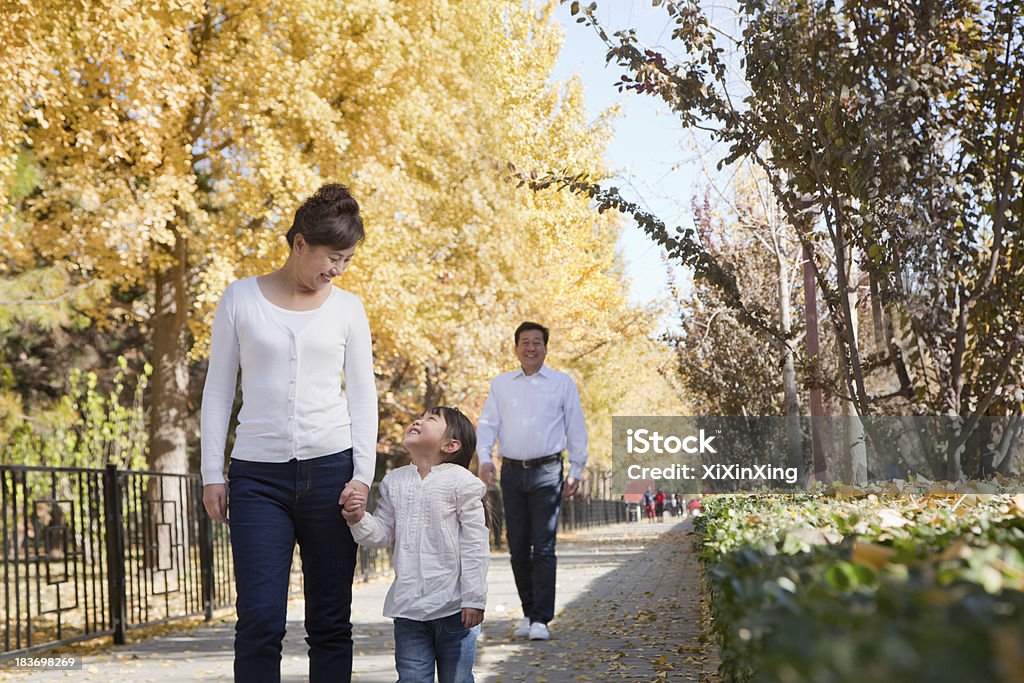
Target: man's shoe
523 628
539 631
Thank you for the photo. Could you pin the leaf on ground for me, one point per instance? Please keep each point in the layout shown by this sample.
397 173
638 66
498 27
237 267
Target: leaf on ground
871 554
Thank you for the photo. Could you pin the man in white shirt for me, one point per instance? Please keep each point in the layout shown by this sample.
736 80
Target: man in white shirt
534 413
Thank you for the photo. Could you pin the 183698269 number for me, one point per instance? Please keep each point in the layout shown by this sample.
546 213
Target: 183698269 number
62 662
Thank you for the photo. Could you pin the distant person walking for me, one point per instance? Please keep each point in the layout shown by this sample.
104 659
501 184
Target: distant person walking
305 439
534 413
647 500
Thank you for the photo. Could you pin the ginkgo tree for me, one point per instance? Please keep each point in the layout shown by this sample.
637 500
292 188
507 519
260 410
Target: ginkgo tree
171 143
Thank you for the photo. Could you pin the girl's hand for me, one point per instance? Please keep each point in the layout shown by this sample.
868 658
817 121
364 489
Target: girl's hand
472 617
353 515
353 488
353 504
355 500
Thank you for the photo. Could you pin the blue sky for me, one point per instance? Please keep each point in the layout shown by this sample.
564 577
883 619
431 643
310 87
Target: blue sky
652 156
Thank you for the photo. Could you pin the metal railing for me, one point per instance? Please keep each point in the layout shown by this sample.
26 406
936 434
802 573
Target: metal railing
97 552
586 513
94 552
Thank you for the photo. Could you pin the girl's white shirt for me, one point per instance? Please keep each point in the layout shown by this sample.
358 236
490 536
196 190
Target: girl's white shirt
308 388
442 544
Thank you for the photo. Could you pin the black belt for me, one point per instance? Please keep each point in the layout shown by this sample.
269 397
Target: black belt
533 462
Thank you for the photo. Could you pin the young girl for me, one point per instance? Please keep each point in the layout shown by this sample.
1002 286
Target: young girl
432 512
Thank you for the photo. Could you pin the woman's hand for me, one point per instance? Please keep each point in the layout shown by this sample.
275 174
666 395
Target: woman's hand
472 617
215 500
352 487
353 501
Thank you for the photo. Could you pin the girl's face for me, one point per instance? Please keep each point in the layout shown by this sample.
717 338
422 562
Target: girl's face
318 265
426 433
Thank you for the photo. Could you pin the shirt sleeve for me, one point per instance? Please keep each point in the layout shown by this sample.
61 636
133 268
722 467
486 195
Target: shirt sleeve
474 543
577 441
377 530
219 389
361 392
488 427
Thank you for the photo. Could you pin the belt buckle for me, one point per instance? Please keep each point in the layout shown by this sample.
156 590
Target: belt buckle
528 463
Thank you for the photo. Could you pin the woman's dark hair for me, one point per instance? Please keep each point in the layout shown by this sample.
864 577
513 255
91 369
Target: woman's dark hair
330 218
459 428
527 326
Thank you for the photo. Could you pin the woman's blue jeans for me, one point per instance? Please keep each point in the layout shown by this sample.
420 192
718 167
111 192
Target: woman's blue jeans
444 643
271 506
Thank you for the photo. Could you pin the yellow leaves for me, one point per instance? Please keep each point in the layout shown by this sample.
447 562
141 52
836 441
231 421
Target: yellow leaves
979 487
1016 506
959 550
871 554
844 490
892 519
168 130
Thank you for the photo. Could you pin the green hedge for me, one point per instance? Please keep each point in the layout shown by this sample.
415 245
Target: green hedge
826 588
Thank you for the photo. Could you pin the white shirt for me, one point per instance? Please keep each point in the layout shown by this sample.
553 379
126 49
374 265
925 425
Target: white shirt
442 545
307 382
533 416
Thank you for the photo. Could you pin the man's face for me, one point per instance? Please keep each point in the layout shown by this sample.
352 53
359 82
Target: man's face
530 349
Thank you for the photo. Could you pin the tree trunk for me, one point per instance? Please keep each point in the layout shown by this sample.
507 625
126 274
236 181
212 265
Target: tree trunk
854 447
791 407
168 408
1003 463
814 360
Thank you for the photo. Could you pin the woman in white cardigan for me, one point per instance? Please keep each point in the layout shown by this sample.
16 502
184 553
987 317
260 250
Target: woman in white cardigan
306 437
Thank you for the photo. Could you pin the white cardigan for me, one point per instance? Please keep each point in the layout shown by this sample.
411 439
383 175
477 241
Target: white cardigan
295 402
442 545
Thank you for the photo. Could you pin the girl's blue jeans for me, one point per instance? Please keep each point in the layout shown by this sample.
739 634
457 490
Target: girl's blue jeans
444 643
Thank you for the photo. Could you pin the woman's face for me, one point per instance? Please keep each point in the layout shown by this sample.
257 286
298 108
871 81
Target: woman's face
318 265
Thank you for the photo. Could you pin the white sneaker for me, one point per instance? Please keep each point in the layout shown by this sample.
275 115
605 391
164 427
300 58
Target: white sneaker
539 631
522 628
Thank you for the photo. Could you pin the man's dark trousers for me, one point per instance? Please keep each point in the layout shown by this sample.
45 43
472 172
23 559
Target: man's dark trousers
532 500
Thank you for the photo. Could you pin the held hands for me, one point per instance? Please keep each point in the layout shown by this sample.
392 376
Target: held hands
472 617
572 485
215 500
353 501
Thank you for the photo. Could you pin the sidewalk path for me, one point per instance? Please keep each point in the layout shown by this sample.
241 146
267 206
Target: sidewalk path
628 609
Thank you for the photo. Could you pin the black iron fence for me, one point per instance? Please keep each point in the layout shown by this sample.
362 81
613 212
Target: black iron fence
97 552
585 513
92 552
577 513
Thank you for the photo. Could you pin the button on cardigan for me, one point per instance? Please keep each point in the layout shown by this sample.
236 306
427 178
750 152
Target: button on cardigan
305 394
